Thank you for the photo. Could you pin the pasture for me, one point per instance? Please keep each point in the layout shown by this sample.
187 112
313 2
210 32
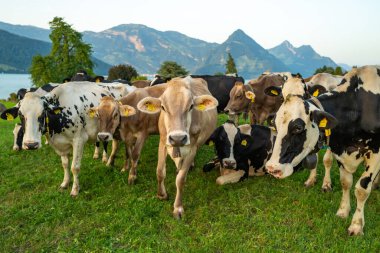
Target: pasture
258 214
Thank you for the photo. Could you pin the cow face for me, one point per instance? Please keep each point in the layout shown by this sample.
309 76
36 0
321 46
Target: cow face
224 138
109 113
239 99
177 105
298 124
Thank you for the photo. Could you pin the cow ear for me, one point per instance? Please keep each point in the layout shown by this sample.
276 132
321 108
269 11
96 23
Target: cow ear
126 110
250 95
93 112
10 114
273 91
149 105
323 119
205 102
317 90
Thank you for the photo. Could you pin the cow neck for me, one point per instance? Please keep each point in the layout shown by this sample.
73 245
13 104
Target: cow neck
327 134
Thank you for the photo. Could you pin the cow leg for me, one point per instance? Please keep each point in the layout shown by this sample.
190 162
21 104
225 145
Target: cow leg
135 157
104 156
312 179
128 155
362 190
111 159
161 171
327 162
346 182
311 162
180 183
96 152
75 165
66 171
375 184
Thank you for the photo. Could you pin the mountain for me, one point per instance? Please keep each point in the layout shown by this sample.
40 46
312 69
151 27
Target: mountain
146 48
344 66
301 59
16 53
28 31
250 58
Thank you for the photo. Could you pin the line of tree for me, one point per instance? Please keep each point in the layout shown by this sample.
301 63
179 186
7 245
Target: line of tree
337 71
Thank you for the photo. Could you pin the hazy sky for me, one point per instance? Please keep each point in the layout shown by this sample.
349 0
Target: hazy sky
348 31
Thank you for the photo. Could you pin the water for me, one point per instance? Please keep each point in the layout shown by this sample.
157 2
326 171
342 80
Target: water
12 83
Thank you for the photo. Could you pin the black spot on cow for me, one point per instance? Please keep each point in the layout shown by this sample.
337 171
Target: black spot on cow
292 143
103 95
81 99
365 181
69 112
366 168
378 72
76 109
368 155
357 156
93 94
344 80
307 107
84 96
91 105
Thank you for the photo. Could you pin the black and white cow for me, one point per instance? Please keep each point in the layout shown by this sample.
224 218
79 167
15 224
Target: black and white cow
63 116
352 116
245 150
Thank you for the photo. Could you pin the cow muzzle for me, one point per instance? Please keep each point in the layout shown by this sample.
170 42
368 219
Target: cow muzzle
229 164
31 145
178 139
279 170
104 136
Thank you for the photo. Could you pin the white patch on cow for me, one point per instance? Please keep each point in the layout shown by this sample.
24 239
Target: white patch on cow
16 130
231 131
328 81
350 161
293 86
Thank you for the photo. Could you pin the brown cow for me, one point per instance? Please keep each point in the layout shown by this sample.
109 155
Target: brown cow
188 117
141 83
251 97
118 120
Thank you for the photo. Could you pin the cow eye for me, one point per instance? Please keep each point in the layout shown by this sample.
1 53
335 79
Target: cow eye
191 107
163 108
239 96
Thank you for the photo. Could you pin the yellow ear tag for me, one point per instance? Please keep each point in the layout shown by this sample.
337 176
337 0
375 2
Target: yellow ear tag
56 111
9 116
97 80
316 93
150 107
244 142
323 122
92 114
126 112
251 97
327 132
201 107
274 92
211 143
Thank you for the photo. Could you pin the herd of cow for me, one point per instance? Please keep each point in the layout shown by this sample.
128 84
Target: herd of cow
342 113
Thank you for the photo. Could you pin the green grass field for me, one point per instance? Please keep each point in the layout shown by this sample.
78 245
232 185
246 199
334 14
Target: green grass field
259 214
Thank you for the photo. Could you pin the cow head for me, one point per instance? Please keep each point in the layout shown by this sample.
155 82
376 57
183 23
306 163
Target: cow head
33 111
298 123
109 113
240 98
177 105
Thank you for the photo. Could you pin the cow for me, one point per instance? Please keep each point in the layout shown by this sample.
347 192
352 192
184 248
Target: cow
348 117
118 120
251 97
187 119
141 83
322 82
245 149
62 116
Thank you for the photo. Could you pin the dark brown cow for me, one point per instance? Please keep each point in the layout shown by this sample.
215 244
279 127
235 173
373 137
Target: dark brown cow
251 97
119 121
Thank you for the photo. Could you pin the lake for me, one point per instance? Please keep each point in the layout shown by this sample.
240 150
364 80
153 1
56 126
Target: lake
12 83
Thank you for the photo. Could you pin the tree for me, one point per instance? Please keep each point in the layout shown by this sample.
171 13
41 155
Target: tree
230 65
68 54
338 71
170 69
122 71
325 69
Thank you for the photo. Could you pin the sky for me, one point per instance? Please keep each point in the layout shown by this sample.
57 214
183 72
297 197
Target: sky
347 31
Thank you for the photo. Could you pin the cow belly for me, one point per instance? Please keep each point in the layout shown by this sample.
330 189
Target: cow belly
61 144
350 161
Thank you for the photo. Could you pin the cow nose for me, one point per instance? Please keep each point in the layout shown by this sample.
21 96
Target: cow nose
229 164
103 137
31 145
178 140
226 110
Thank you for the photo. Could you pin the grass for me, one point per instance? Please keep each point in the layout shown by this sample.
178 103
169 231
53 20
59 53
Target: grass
259 214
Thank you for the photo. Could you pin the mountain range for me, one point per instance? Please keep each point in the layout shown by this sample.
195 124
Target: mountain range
146 49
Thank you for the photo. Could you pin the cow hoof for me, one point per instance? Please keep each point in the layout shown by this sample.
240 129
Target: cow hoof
74 193
327 188
343 213
310 183
208 167
63 186
178 213
162 196
355 229
16 148
104 160
95 157
131 180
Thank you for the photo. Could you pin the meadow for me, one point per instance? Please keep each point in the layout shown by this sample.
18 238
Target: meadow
259 214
